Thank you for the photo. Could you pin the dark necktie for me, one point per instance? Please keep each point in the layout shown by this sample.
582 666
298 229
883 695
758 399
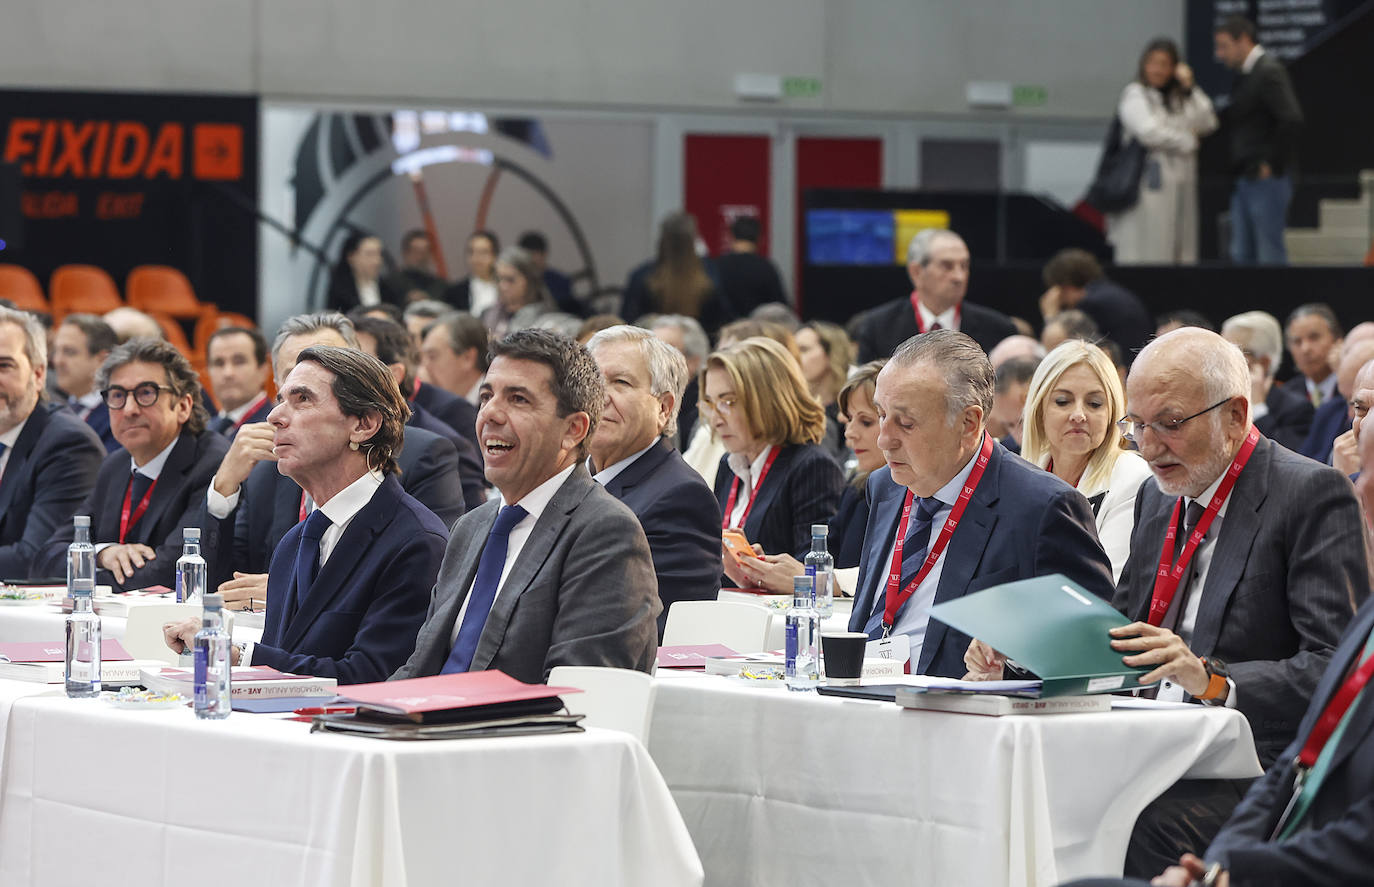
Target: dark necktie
914 550
308 557
489 567
934 325
1191 515
222 425
141 482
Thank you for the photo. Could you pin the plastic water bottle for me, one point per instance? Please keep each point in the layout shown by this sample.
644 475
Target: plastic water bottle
83 645
213 699
191 570
820 564
81 557
803 668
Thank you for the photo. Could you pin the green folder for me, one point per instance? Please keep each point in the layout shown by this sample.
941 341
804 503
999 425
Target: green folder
1051 626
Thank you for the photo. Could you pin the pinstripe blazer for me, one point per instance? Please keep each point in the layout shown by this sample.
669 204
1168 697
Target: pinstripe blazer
1287 572
802 488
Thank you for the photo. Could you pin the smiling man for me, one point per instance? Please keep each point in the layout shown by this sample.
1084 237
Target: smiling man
1244 607
1017 522
632 459
554 571
151 488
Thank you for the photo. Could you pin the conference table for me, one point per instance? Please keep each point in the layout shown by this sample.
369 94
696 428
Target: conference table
90 793
782 788
47 622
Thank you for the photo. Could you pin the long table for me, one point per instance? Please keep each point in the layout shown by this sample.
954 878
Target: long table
90 793
781 788
46 622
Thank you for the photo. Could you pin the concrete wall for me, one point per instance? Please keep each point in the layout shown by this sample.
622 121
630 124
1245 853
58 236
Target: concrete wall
881 57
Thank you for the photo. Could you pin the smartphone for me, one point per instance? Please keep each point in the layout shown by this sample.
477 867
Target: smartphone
738 545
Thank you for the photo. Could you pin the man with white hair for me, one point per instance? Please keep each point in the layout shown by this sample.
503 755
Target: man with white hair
1247 562
631 458
938 265
1280 414
688 337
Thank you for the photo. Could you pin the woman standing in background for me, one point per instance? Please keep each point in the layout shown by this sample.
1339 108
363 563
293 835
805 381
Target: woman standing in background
1165 111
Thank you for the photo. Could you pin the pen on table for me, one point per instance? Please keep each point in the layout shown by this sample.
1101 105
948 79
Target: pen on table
340 710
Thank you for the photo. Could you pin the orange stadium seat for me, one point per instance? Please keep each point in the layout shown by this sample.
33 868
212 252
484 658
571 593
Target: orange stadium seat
19 285
159 289
82 289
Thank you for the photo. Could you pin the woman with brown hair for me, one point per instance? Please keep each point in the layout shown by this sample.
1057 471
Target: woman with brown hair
775 481
677 282
826 353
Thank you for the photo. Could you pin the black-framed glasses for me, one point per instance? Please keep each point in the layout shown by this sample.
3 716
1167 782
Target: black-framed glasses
1131 429
145 395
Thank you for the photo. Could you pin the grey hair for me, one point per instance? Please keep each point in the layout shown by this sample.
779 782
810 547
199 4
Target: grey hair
1224 371
969 377
918 251
430 308
558 322
1263 336
667 366
305 324
35 339
695 342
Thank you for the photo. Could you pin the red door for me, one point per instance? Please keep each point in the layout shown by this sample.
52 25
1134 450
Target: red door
824 162
724 177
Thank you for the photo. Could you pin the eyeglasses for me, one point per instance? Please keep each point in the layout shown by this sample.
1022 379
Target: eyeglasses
145 395
1132 429
722 405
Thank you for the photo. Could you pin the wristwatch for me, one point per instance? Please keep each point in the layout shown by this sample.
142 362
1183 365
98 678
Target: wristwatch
1218 687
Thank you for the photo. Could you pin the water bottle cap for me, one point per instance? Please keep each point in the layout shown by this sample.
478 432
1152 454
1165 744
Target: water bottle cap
802 583
820 530
85 591
213 602
81 520
190 534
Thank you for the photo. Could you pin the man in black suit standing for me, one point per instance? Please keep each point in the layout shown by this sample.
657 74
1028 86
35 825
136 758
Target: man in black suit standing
938 265
636 463
149 491
80 346
48 457
1245 605
1262 123
1308 819
239 370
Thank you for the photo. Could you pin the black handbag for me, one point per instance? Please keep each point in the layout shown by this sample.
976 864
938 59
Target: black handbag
1116 184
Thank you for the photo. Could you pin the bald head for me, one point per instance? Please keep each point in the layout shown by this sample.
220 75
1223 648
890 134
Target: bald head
1353 359
1359 333
1015 346
1194 356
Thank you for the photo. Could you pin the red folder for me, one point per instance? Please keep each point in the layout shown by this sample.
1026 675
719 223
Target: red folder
447 692
691 655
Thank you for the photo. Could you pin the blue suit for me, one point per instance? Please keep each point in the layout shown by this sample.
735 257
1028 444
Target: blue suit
471 475
1330 421
51 469
99 420
1021 522
359 620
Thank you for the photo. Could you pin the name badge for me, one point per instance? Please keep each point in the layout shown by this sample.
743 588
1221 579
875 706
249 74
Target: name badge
895 646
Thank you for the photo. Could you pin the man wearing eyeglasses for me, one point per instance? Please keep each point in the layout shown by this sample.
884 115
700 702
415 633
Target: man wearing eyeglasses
152 487
1246 566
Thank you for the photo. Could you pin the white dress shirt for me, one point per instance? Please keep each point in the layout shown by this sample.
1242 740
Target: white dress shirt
482 294
535 502
369 293
1320 392
237 413
611 472
749 477
948 320
1249 64
84 405
150 471
914 617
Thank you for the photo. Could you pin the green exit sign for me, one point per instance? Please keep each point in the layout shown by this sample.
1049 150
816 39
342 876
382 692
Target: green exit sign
1029 95
801 87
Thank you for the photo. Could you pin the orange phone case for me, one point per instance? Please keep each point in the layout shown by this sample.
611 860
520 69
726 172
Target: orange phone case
737 544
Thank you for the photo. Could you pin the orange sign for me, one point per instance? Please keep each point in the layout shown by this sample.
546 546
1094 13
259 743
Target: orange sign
121 149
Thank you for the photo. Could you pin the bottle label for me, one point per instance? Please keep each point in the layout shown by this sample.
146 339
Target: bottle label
181 594
201 668
810 569
791 648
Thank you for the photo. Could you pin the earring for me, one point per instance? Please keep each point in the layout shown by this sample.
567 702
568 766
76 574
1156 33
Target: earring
353 445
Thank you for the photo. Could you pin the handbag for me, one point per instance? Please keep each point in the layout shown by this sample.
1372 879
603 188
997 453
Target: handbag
1116 184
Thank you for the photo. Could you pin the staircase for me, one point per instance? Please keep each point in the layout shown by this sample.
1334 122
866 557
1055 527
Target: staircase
1344 234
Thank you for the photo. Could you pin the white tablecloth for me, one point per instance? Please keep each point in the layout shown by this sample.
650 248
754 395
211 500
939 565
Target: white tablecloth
92 793
782 788
46 622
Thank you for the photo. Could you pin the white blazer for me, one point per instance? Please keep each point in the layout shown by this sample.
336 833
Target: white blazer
1116 514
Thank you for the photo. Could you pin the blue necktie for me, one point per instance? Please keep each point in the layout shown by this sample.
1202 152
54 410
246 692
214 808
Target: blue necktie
308 557
914 551
484 586
222 425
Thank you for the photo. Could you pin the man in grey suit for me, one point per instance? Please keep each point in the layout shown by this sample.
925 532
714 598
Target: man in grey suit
555 571
1267 577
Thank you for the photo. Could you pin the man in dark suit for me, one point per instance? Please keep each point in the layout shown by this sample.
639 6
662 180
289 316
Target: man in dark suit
1313 334
1333 418
453 356
48 457
1019 522
938 265
1262 123
239 369
1075 280
347 586
555 571
1251 614
80 346
1279 414
748 279
1328 836
146 493
633 460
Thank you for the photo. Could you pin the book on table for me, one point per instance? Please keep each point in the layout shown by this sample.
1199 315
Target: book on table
45 662
479 703
246 682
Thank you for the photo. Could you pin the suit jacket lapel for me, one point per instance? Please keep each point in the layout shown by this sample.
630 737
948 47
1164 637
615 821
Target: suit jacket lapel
640 468
886 511
1154 522
1231 549
446 615
178 463
527 565
19 456
768 490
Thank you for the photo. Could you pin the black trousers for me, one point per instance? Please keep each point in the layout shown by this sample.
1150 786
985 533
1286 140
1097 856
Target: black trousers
1184 819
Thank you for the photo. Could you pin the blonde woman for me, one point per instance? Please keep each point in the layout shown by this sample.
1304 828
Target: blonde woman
826 353
775 481
1074 400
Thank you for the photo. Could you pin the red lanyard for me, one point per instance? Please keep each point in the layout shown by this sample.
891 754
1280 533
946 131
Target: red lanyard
921 324
257 404
896 598
125 520
753 494
1334 711
1166 580
305 510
